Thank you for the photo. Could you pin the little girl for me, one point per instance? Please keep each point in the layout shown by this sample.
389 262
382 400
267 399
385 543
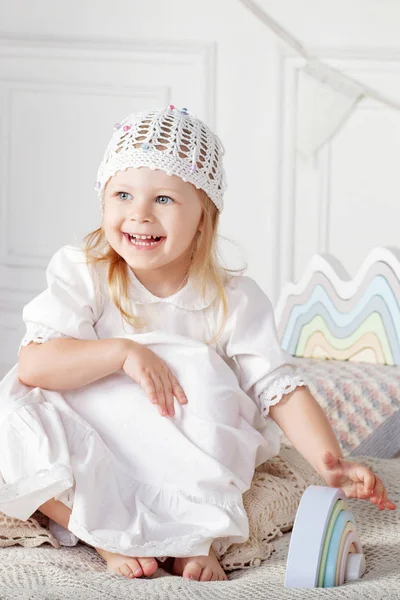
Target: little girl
150 381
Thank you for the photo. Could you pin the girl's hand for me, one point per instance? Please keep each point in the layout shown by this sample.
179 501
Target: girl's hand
356 480
153 374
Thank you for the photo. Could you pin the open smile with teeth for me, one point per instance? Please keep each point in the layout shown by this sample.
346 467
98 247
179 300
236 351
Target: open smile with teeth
139 240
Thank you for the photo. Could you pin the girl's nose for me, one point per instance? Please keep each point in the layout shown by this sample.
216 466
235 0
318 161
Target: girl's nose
140 218
141 211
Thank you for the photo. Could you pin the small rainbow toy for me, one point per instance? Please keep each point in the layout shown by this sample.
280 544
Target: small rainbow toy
325 550
330 315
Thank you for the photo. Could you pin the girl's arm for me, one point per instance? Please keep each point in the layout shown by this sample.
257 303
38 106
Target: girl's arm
306 426
67 363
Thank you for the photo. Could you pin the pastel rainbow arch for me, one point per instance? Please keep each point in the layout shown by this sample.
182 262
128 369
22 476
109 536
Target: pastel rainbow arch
325 550
327 314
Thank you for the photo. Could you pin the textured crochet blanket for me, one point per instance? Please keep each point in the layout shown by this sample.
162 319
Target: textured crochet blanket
79 572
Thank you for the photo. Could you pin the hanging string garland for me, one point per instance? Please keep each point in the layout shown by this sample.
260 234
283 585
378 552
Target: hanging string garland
326 96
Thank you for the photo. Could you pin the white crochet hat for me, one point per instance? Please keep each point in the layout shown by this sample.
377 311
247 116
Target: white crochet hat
171 140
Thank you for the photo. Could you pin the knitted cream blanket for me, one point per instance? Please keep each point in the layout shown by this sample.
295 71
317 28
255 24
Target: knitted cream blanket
271 503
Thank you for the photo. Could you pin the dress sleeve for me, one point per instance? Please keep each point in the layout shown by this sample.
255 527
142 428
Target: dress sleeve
70 305
265 372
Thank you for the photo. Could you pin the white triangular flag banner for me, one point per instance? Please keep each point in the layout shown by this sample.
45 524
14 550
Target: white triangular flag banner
325 100
325 97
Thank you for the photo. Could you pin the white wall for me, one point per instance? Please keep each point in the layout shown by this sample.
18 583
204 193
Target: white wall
68 71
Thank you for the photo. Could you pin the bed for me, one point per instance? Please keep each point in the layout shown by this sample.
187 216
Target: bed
344 334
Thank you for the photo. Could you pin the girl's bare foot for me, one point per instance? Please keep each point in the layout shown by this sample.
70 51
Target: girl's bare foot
200 568
127 565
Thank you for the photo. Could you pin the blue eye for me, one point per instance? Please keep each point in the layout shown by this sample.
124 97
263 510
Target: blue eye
168 198
126 193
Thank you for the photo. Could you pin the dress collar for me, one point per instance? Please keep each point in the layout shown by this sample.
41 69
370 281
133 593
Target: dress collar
187 297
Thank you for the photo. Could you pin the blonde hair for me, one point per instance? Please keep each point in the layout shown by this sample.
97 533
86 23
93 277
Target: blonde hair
205 265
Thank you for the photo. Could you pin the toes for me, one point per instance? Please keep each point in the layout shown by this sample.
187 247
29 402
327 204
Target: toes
149 565
192 571
126 570
206 574
135 567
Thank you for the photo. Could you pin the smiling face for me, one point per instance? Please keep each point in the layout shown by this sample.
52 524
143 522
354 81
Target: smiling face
149 202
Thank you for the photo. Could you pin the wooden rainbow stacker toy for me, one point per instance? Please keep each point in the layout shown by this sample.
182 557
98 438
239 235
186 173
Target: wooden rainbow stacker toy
325 550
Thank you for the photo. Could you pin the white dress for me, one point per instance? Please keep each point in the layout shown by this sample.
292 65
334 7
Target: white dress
138 483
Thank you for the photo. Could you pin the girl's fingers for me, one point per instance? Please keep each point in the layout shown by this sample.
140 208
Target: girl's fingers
177 390
168 394
379 494
375 490
330 461
148 386
369 479
160 394
384 501
161 389
364 480
378 488
336 461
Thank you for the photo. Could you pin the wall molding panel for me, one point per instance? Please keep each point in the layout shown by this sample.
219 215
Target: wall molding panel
364 65
47 86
